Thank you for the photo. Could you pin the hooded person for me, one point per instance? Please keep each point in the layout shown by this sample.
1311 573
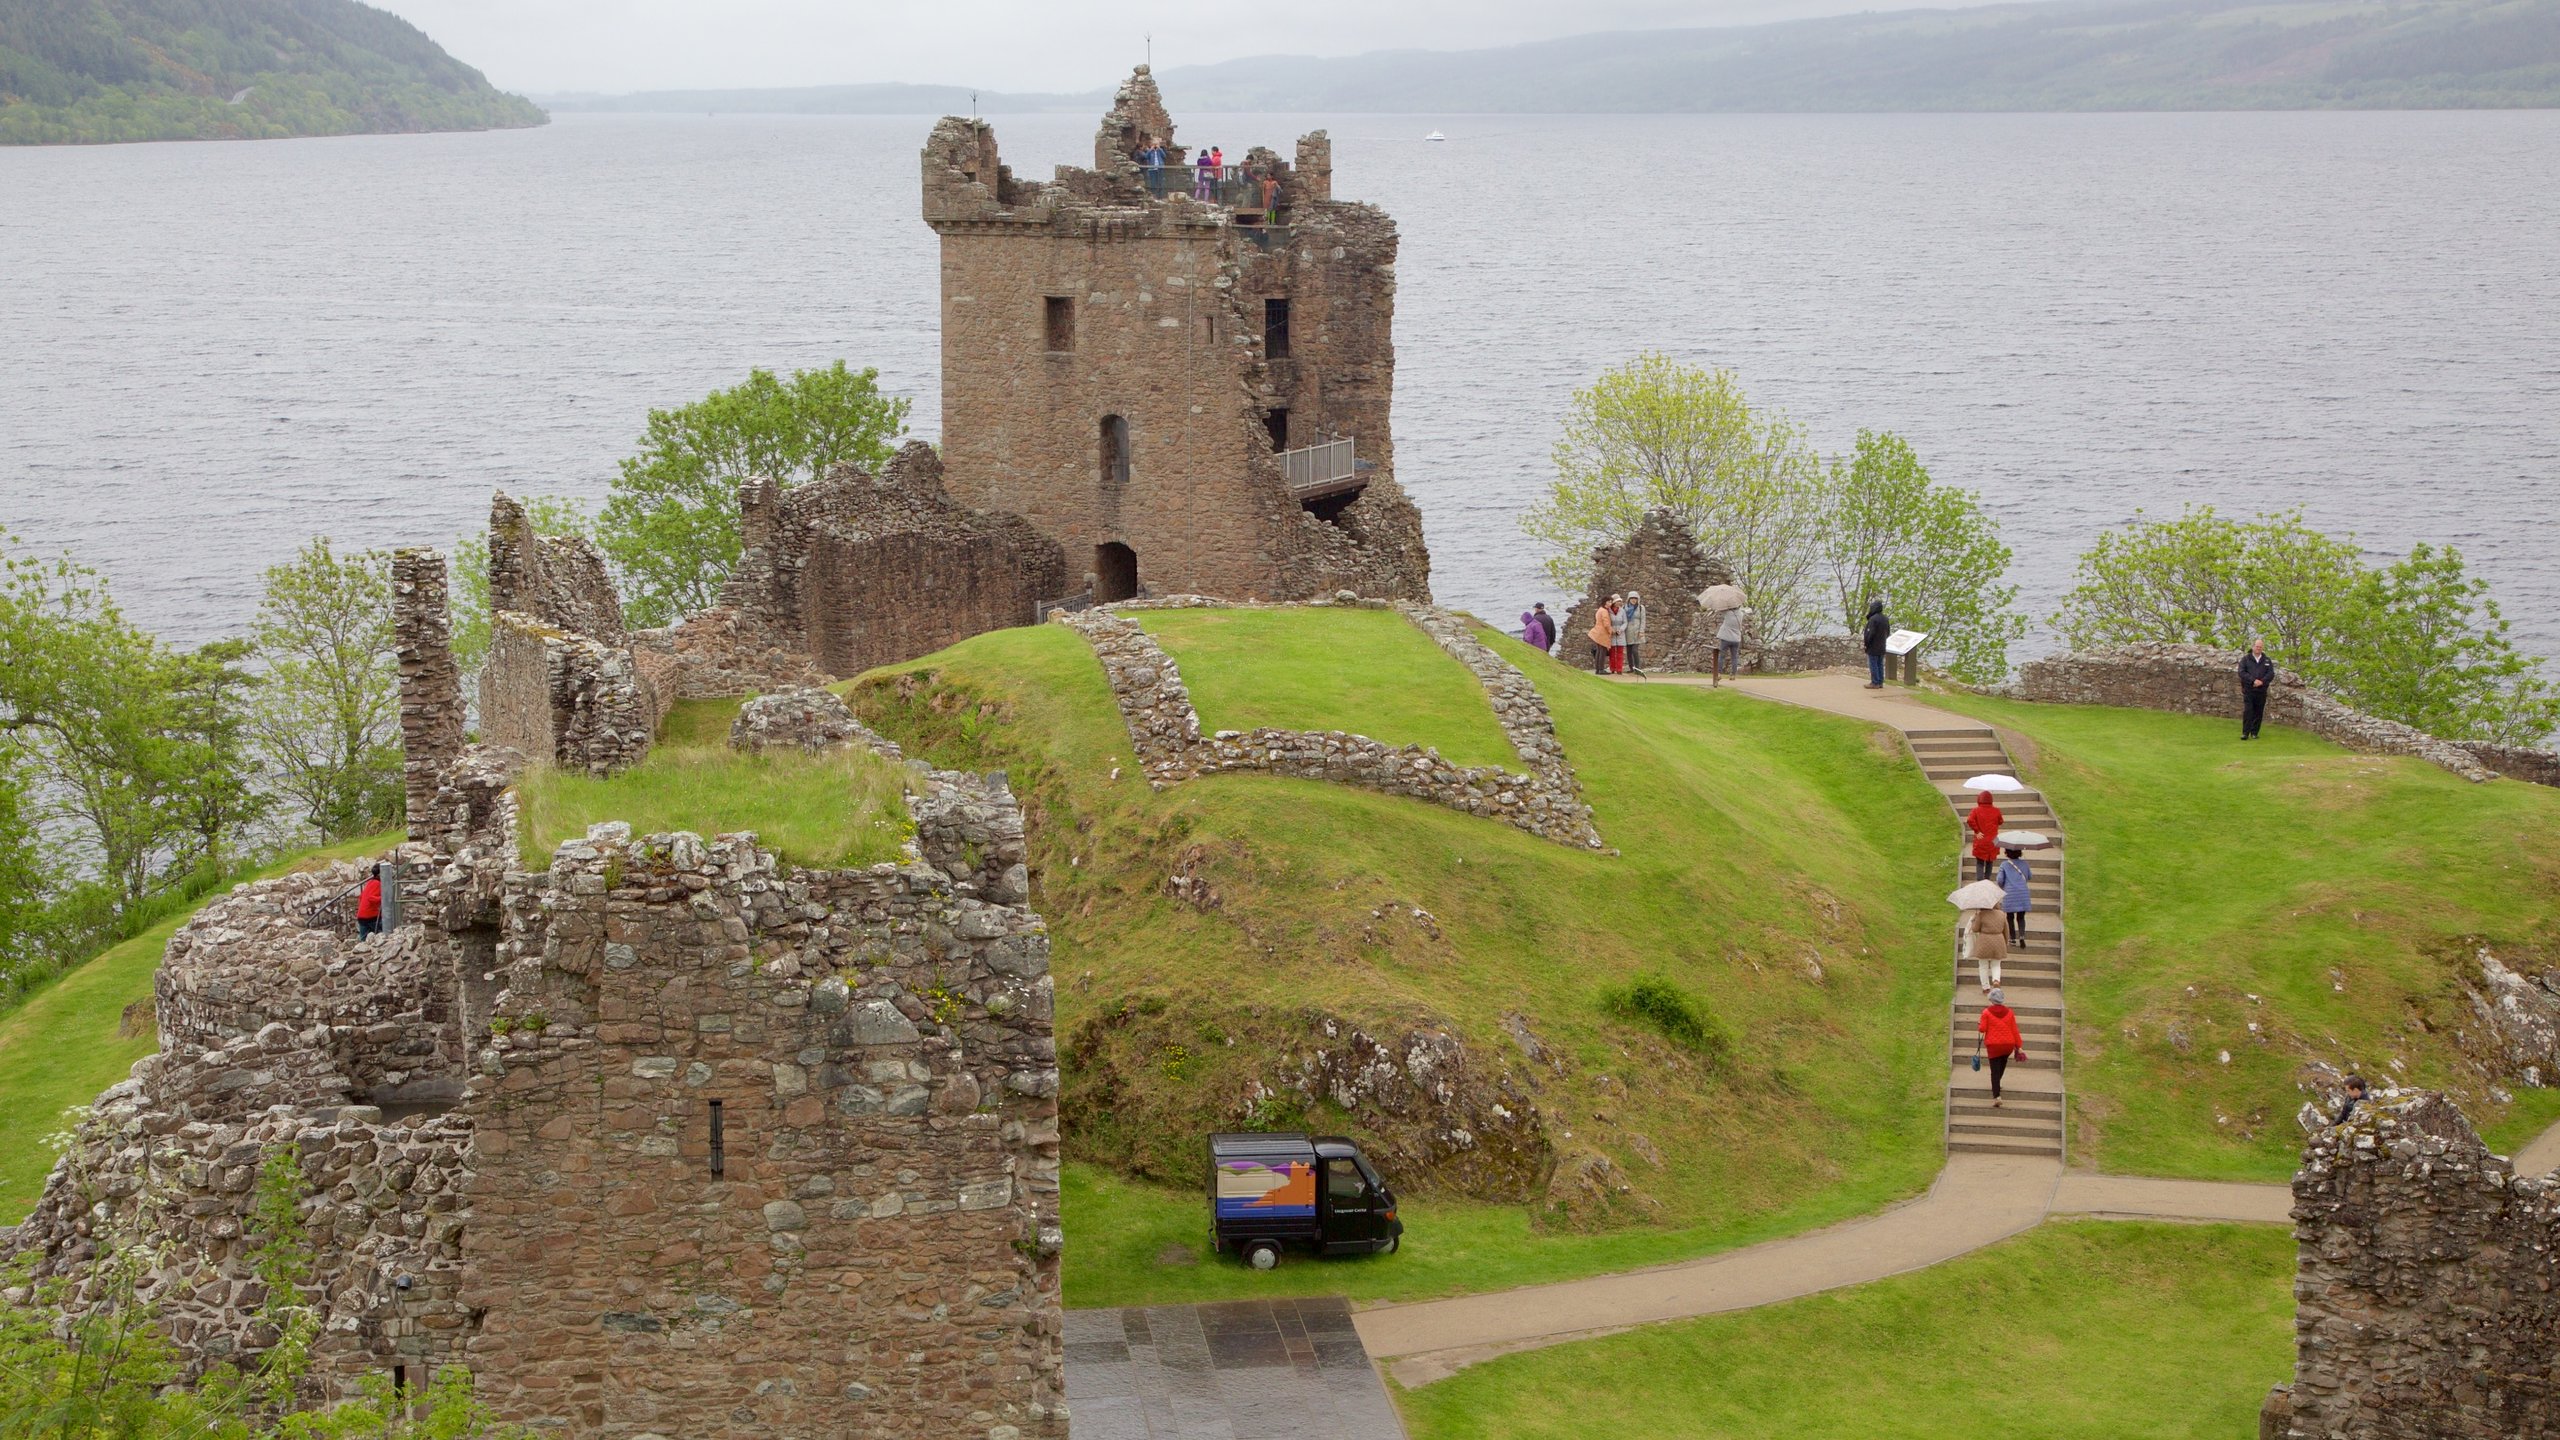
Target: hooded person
1631 629
1533 629
1879 626
1999 1042
1984 821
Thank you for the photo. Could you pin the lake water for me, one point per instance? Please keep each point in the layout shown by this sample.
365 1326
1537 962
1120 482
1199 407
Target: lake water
210 352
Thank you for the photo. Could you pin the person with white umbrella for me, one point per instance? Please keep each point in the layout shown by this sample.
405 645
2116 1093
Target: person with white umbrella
2014 878
1725 603
1980 932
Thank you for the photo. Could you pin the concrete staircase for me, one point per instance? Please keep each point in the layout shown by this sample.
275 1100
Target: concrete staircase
2031 1118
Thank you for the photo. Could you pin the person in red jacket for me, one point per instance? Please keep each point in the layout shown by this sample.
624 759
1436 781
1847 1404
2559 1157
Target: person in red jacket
369 906
1984 821
2000 1040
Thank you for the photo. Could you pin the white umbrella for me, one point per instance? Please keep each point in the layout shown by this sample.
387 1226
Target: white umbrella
1996 784
2024 839
1721 597
1980 895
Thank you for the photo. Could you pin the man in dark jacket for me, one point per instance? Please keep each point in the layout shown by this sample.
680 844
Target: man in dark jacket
2257 677
1878 627
1548 623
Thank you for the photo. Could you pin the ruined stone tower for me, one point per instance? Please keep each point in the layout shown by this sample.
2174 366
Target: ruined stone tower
1188 393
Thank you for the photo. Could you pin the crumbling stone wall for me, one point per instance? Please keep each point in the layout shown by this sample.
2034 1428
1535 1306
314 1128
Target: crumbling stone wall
1165 729
171 1157
2427 1293
431 709
560 580
564 698
383 1010
2201 680
856 570
873 1250
1661 561
1165 299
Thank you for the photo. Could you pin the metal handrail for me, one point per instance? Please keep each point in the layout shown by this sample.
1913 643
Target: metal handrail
1326 462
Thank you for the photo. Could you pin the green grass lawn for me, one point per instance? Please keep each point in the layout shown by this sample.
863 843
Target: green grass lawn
1366 671
841 809
2078 1330
2282 901
1783 868
61 1048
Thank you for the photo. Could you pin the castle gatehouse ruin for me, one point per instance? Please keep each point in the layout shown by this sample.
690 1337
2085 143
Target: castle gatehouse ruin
1182 379
666 1138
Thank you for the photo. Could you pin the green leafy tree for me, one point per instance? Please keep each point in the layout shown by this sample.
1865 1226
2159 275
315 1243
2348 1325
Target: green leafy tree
2204 579
467 586
121 736
1928 550
1655 433
328 711
671 526
27 881
2419 641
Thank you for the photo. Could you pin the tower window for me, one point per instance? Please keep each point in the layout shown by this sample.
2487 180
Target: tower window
719 1142
1275 327
1060 313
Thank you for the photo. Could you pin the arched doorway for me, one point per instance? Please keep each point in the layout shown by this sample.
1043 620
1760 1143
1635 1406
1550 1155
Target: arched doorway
1115 572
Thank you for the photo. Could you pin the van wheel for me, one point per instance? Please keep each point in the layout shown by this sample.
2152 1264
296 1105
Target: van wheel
1262 1254
1394 1243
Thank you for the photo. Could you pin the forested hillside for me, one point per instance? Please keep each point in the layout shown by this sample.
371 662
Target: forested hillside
90 71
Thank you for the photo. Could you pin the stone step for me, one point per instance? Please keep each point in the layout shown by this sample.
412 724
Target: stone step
1975 1145
2000 1125
2039 1058
2014 1102
2045 1014
1942 732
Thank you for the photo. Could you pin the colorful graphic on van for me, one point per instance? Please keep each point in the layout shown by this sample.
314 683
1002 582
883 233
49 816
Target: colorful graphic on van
1253 1187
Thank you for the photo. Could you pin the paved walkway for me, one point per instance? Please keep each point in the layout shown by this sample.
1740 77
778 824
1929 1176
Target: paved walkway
1979 1199
1242 1370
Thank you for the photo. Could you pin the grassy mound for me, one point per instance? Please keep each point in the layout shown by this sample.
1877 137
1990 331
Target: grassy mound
841 809
2086 1330
1367 671
1782 871
2279 902
64 1045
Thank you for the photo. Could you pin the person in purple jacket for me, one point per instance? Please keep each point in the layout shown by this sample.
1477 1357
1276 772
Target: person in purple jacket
1533 628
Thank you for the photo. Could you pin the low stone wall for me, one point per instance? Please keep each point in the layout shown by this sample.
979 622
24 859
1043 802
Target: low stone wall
382 1010
564 698
1165 728
2200 680
2516 762
2427 1293
1804 653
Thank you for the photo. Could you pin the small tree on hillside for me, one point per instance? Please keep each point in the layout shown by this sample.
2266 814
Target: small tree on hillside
1928 551
328 713
27 882
671 525
1655 433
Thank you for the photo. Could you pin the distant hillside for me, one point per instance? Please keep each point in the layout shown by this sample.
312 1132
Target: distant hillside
88 71
2055 55
2074 55
876 99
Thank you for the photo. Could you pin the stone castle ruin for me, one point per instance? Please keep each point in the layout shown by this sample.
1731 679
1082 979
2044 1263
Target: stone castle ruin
667 1138
2427 1290
1186 386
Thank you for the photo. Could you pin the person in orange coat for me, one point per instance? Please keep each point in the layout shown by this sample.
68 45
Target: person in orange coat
2000 1041
1984 821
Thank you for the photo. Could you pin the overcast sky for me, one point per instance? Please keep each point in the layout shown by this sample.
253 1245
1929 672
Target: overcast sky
619 45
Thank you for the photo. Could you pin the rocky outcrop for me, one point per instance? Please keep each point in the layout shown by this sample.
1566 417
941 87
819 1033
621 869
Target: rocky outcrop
801 719
2427 1290
1662 562
1543 799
